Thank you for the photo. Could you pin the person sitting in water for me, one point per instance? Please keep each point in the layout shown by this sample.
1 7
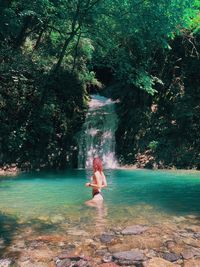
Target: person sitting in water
98 182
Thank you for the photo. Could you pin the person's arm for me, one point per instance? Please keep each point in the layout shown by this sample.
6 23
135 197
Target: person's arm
104 182
95 185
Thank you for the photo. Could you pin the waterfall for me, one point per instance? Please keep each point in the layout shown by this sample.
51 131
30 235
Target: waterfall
97 137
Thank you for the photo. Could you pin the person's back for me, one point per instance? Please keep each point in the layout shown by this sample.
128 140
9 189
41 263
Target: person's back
98 182
99 178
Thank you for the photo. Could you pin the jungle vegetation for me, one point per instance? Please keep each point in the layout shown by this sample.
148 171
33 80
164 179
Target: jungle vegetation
145 53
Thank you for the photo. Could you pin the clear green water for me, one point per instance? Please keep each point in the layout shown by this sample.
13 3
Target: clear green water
131 194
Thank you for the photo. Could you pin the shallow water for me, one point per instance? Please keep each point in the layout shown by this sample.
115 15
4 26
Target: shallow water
43 214
143 195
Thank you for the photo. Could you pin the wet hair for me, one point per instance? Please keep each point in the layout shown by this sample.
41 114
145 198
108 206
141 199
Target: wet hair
97 164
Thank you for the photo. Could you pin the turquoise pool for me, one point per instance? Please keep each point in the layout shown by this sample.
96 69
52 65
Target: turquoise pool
143 195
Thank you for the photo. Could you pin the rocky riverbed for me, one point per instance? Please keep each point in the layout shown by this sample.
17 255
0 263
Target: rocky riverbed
171 243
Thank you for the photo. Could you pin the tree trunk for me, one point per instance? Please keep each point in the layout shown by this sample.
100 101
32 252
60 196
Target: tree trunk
39 39
21 38
76 52
62 54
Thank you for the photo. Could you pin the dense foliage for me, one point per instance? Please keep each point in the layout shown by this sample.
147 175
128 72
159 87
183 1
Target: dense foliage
49 53
163 130
39 120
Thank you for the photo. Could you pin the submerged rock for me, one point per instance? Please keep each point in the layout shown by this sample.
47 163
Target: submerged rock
101 252
111 264
158 262
35 264
197 235
179 219
77 232
134 230
170 244
129 257
171 256
72 263
2 243
192 242
57 219
190 253
107 237
107 257
192 263
192 217
63 263
72 260
7 263
120 247
187 254
41 254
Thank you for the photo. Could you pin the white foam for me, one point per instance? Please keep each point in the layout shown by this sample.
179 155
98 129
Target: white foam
97 137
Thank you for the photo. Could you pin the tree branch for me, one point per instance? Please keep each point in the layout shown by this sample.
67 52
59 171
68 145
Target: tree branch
76 51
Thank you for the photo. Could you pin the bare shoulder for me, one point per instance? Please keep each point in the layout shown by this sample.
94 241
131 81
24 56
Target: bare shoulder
103 174
97 174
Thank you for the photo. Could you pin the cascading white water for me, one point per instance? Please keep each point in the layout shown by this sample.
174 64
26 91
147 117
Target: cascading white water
97 137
